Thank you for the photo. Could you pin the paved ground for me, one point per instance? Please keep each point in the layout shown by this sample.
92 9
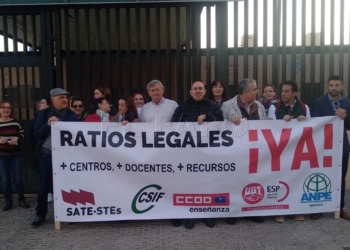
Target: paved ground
325 233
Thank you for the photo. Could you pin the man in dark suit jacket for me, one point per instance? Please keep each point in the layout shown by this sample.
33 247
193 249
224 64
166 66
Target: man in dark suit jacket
333 103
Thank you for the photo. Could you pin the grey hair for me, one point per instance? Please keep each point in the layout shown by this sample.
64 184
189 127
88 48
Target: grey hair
244 85
154 82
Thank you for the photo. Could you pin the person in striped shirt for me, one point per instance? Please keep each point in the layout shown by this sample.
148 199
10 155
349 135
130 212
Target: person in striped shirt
11 135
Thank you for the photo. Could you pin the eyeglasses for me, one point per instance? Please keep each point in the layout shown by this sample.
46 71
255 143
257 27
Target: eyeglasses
42 102
9 108
76 106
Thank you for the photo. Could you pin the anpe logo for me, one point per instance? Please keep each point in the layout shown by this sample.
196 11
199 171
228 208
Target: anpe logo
222 199
145 197
317 188
253 193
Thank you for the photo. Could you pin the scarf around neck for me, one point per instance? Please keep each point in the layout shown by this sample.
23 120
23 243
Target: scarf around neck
104 116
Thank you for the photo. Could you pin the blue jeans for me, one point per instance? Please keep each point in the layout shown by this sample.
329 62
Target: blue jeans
10 163
45 185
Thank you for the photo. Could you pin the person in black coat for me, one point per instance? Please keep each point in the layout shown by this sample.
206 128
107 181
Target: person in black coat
334 104
199 109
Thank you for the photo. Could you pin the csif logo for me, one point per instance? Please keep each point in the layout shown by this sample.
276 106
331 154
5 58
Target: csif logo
317 188
146 196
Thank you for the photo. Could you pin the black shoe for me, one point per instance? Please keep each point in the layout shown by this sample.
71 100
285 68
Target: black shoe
315 216
23 203
209 222
256 219
231 221
38 221
189 224
176 222
7 206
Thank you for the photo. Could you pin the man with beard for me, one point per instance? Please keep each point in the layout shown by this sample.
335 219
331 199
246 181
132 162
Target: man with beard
199 109
333 103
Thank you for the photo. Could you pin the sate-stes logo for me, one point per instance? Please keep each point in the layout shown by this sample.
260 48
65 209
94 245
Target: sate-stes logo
317 189
80 201
203 203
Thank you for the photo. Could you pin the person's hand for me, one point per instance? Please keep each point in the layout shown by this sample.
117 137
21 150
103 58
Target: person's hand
124 123
201 118
52 119
301 118
341 113
287 118
235 120
14 141
3 141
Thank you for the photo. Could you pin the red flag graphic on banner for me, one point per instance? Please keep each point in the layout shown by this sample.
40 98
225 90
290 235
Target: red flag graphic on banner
81 197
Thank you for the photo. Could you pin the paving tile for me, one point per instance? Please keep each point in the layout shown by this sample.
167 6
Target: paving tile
325 233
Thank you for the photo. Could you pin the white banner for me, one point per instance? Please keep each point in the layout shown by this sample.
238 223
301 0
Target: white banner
105 171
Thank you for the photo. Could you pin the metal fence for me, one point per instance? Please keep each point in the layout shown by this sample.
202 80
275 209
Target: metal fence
123 46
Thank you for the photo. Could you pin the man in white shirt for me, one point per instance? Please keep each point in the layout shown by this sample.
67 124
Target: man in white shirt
159 109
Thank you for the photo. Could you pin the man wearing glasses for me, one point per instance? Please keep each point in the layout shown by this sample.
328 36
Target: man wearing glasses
289 107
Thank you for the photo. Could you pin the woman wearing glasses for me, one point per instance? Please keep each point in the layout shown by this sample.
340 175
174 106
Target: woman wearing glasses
77 107
11 135
127 110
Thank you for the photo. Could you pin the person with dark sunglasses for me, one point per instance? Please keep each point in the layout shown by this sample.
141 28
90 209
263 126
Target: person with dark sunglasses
77 107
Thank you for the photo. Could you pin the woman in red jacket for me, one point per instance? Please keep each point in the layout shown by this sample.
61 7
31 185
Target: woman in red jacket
100 109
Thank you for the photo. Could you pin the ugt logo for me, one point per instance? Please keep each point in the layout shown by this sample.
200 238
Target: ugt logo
145 197
253 193
317 188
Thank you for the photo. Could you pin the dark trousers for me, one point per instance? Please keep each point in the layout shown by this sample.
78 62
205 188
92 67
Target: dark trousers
10 163
345 162
45 173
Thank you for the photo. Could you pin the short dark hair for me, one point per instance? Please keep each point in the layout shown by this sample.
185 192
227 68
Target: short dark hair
201 81
335 78
95 104
291 83
75 99
47 99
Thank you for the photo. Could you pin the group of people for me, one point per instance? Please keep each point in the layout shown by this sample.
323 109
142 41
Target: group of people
200 107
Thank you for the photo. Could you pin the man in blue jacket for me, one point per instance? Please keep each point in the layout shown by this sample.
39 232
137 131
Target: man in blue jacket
59 111
333 103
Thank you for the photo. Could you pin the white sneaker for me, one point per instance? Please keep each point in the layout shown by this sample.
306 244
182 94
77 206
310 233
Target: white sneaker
50 197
